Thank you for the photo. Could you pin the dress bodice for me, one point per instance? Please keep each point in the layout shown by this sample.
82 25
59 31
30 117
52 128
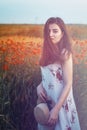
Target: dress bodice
52 80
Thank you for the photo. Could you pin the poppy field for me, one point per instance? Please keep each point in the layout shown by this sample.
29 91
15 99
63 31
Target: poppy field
20 50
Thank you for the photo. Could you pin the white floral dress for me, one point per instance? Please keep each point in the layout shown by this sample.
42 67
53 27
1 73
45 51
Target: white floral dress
52 80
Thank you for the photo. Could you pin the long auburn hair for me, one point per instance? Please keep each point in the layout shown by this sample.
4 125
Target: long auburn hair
50 52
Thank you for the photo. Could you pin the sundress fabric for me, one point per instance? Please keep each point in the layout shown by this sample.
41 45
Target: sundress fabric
52 80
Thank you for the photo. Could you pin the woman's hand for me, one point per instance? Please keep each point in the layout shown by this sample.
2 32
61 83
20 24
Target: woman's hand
41 93
53 118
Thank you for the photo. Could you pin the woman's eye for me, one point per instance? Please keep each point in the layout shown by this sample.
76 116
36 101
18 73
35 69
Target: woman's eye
55 31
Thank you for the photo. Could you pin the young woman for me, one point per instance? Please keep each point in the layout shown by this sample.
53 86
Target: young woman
57 76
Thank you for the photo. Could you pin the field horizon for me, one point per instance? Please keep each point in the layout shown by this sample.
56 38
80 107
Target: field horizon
77 31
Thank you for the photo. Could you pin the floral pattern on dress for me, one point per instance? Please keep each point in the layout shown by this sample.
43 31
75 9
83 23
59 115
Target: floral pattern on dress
73 116
69 128
59 74
52 79
50 86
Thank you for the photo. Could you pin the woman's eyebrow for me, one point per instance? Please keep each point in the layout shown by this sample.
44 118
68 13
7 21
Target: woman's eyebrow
54 29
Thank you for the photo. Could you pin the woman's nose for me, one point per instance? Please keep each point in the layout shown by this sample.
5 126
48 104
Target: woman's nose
51 33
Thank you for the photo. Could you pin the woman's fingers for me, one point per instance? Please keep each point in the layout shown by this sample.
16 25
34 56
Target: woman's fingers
52 119
41 93
51 122
43 97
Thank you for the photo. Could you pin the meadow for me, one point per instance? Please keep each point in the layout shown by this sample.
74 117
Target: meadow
20 49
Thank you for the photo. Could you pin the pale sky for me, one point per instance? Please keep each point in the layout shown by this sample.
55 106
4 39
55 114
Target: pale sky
38 11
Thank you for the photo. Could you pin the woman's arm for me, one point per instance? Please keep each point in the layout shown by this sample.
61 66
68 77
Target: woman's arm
41 92
67 76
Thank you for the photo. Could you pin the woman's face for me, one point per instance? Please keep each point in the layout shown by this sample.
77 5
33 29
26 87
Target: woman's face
55 33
